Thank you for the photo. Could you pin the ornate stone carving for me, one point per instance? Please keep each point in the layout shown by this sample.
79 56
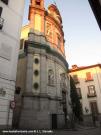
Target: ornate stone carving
63 85
50 77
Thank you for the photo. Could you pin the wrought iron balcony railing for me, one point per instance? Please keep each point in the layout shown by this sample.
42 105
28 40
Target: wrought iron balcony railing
91 95
1 22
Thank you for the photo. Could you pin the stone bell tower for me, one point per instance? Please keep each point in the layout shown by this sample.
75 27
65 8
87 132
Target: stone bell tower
36 15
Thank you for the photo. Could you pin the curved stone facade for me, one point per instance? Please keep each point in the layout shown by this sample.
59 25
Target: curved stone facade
42 73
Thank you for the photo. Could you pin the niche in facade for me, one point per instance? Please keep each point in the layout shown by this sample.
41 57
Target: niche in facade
50 77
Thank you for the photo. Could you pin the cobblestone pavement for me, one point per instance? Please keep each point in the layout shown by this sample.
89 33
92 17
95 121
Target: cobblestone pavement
89 131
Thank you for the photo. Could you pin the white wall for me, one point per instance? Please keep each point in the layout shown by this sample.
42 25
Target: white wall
10 35
9 46
96 72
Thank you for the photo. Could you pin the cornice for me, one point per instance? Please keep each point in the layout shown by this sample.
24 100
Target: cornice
84 68
48 50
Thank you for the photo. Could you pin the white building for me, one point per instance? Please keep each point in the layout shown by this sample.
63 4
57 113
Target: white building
11 13
88 84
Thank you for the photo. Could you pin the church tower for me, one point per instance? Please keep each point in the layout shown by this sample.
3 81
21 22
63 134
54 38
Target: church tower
42 70
36 15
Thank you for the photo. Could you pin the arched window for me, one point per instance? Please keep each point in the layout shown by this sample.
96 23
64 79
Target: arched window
37 2
50 77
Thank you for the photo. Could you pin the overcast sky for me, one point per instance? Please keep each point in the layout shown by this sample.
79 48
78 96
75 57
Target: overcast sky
82 33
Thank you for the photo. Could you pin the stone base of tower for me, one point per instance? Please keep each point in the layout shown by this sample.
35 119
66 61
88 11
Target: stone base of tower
39 113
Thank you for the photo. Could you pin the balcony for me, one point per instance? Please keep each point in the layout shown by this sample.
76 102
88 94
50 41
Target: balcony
1 22
91 95
88 80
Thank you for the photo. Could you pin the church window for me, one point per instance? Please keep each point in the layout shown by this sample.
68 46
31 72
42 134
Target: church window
36 60
36 72
50 77
38 2
36 85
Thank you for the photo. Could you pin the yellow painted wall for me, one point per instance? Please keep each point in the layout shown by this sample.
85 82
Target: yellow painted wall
37 22
24 32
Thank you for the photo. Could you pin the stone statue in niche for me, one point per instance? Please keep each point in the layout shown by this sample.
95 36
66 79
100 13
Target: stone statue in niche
50 77
63 85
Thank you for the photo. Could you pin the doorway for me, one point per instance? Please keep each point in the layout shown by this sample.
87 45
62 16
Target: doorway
94 109
54 121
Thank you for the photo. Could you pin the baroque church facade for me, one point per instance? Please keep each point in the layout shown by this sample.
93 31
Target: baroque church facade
42 76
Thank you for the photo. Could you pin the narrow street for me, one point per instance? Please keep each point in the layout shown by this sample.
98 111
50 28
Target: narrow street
89 131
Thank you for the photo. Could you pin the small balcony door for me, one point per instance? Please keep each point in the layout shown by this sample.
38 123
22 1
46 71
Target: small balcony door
94 109
54 121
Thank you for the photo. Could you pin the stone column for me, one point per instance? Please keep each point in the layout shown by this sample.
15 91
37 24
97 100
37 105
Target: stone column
29 76
43 74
